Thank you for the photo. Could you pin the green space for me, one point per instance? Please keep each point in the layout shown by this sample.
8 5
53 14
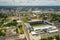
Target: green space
26 20
5 19
57 37
36 25
11 23
55 17
2 32
19 31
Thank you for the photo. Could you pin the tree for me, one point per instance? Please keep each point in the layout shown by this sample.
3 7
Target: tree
57 37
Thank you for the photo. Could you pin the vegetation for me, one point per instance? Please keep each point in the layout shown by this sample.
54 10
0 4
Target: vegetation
37 25
8 19
57 37
2 32
26 20
43 16
55 17
19 30
3 18
12 23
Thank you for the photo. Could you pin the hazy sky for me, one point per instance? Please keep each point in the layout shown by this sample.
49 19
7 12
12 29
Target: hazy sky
30 2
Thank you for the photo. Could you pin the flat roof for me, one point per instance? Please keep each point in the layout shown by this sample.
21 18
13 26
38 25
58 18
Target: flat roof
34 20
33 33
36 11
18 20
43 27
53 31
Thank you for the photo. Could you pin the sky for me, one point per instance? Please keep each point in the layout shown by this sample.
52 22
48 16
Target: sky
29 2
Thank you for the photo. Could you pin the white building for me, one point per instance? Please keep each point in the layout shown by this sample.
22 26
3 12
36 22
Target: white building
36 12
45 27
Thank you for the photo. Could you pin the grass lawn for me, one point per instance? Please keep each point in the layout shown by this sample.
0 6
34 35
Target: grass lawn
26 20
36 25
20 31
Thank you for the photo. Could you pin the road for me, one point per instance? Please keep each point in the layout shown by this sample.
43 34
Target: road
35 37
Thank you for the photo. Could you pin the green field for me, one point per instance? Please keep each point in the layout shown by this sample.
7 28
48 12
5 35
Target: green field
36 25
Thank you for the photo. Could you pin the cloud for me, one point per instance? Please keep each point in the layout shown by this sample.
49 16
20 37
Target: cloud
30 2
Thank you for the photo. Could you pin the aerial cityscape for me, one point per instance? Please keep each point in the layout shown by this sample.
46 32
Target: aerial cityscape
30 20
